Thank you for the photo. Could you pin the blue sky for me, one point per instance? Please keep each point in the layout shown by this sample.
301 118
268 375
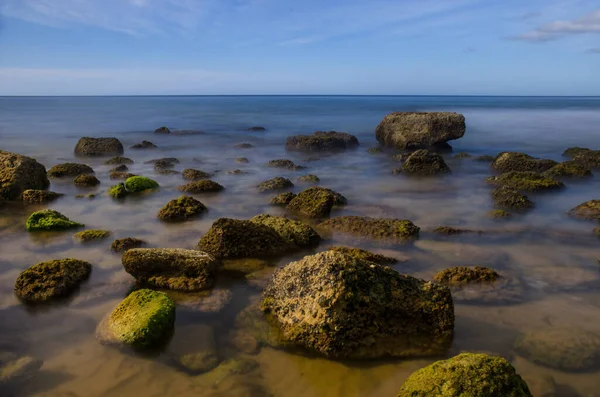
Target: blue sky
471 47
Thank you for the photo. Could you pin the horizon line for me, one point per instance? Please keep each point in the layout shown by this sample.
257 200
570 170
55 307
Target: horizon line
298 95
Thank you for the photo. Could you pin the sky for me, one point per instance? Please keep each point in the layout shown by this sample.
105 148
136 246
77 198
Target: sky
367 47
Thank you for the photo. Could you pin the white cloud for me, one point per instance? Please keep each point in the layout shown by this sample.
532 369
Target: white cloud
589 23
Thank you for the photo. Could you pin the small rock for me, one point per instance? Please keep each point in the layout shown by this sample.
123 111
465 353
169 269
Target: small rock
375 150
316 202
181 209
462 155
119 160
424 162
91 235
162 130
310 178
15 369
121 175
485 158
242 160
568 169
365 255
509 198
498 214
276 183
244 146
589 210
86 180
282 199
321 141
520 162
120 168
293 232
144 145
283 163
32 196
237 172
124 244
375 228
203 186
69 170
257 129
525 181
98 147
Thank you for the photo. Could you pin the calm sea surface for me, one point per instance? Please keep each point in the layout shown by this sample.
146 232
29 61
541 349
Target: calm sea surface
555 257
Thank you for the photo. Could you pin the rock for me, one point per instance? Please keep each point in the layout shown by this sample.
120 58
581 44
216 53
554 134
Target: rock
242 160
91 235
194 348
574 151
144 319
19 173
171 268
321 141
120 168
588 158
181 209
244 342
119 160
118 191
374 228
410 130
485 158
162 130
293 232
244 146
237 172
462 155
232 238
162 165
69 170
343 307
165 162
230 367
424 162
452 231
463 274
257 129
51 280
276 183
498 214
194 175
137 184
374 150
98 147
310 178
507 197
199 362
86 180
525 181
208 301
568 169
32 196
565 349
127 243
49 220
144 145
15 369
283 199
467 374
316 202
401 157
264 329
203 186
520 162
120 175
589 210
237 267
283 163
365 255
163 171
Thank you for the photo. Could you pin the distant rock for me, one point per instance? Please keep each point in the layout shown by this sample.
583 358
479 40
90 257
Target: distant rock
120 175
90 147
244 146
520 162
19 173
69 170
86 180
257 129
91 235
510 198
144 145
202 186
119 160
309 178
589 210
284 163
525 181
181 209
120 168
194 175
321 141
162 130
277 183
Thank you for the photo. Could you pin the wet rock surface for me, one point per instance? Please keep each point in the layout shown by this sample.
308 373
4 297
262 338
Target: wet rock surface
90 147
316 202
322 141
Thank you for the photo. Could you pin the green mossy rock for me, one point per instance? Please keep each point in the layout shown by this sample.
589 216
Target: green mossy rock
203 186
233 238
574 151
171 268
117 191
162 130
509 198
365 255
15 370
50 280
86 180
293 232
568 169
277 183
525 181
520 162
49 220
19 173
87 146
374 228
565 349
119 160
322 141
343 307
142 320
282 199
69 170
310 178
127 243
589 210
588 158
32 196
91 235
139 184
194 175
316 202
451 231
464 274
283 163
424 162
466 375
181 209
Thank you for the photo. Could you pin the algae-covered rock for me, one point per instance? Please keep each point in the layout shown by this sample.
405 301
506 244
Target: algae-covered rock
343 307
144 145
374 228
165 162
237 172
316 202
310 178
69 170
277 183
365 255
139 184
194 175
509 198
242 160
568 169
144 319
244 146
486 158
525 181
282 199
424 162
181 209
520 162
49 220
117 191
87 146
264 329
321 141
588 158
563 348
162 171
120 175
91 235
119 160
411 130
588 210
257 129
127 243
293 232
464 274
283 163
574 151
15 370
243 267
233 238
203 186
50 280
467 374
32 196
162 130
19 173
119 168
171 268
86 180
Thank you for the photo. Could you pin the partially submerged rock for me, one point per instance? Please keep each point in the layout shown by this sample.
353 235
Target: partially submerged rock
374 228
413 130
321 141
127 243
565 349
463 274
467 374
202 186
120 175
19 173
144 145
171 268
310 178
164 171
520 162
243 267
137 184
574 151
120 168
257 129
98 147
194 348
231 367
498 214
588 158
293 232
32 196
49 220
424 162
365 255
316 202
15 370
375 150
162 130
69 170
589 210
118 191
452 231
91 235
51 280
164 162
509 198
343 307
283 199
277 183
568 169
181 209
242 160
525 181
244 146
144 319
283 163
86 180
119 160
485 158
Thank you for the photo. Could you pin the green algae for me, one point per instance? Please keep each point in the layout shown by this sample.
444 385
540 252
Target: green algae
464 274
282 199
316 202
49 220
276 183
525 181
139 184
181 209
568 169
91 235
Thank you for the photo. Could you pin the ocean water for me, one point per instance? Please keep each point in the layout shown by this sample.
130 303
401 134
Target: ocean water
555 257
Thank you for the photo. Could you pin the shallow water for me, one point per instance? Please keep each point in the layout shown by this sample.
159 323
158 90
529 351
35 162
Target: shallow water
554 257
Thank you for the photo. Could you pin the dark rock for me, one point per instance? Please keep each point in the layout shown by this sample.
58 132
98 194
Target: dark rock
374 228
293 232
257 129
162 130
525 181
498 214
98 147
283 163
69 169
310 178
144 145
282 199
124 244
121 175
244 146
485 158
242 160
520 162
120 168
86 180
181 209
588 159
462 155
451 231
316 202
19 173
32 196
16 370
568 169
322 141
509 198
164 162
203 186
164 171
574 151
194 175
424 162
119 160
276 183
375 150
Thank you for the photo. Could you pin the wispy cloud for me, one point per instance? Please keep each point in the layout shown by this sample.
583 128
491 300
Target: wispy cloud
588 23
594 50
